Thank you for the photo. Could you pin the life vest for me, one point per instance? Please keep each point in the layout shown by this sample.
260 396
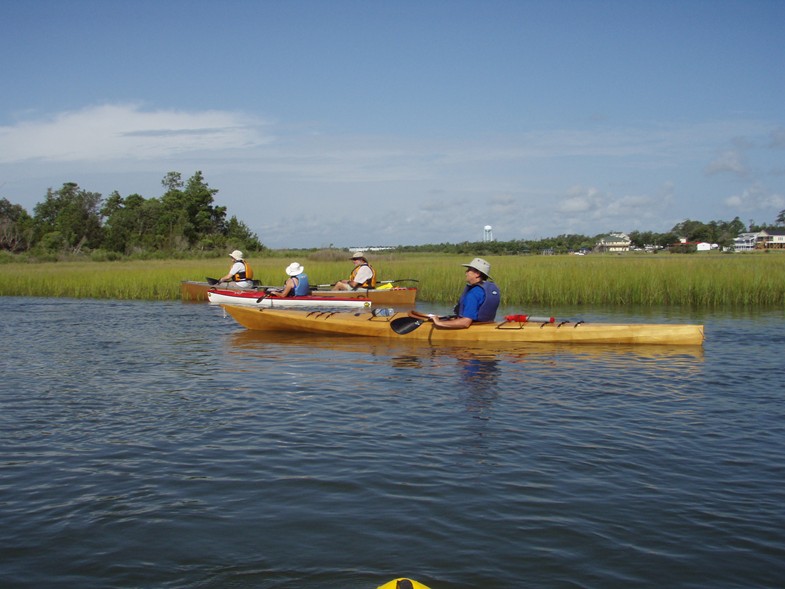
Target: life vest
303 288
246 275
487 310
371 283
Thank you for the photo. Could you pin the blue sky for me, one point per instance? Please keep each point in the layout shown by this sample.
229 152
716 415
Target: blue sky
404 122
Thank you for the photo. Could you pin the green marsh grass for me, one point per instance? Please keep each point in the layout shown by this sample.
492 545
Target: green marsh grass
697 280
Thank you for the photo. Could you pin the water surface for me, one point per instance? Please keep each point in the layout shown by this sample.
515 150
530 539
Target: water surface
159 444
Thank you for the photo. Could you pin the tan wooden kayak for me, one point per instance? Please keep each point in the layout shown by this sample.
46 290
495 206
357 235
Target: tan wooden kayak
367 324
396 296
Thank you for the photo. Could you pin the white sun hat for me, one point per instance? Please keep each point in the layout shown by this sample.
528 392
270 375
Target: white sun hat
294 269
480 265
237 255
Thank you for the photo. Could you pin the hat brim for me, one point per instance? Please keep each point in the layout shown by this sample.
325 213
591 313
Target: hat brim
476 270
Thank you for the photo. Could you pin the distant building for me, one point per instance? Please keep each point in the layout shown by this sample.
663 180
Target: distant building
774 238
613 243
747 242
371 248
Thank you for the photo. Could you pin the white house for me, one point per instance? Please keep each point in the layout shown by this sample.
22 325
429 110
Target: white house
747 242
614 242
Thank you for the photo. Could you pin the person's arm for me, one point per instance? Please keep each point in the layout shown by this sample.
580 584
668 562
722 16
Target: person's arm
287 288
455 323
471 309
236 267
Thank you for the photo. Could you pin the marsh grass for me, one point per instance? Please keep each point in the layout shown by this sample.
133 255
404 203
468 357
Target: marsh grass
699 280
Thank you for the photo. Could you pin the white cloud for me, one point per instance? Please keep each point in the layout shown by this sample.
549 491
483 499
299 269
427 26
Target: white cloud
581 200
731 160
422 189
756 198
125 131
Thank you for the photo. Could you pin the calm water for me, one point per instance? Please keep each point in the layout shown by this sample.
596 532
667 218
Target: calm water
161 445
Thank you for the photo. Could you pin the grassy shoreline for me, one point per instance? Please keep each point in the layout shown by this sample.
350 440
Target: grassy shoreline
697 281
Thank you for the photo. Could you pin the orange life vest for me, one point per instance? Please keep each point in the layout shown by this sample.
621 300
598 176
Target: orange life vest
246 275
371 283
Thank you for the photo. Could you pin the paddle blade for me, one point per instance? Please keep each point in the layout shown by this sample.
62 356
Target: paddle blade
404 325
211 281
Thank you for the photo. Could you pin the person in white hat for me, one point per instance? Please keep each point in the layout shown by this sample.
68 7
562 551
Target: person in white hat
240 274
363 275
296 285
479 300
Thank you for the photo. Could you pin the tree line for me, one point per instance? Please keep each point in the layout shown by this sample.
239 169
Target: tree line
720 232
71 220
184 220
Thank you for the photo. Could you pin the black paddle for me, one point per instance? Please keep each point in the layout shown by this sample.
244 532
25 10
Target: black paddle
212 281
404 325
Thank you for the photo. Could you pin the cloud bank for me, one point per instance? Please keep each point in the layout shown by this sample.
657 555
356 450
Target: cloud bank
298 185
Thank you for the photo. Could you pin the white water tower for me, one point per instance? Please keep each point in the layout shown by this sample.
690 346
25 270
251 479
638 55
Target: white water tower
487 233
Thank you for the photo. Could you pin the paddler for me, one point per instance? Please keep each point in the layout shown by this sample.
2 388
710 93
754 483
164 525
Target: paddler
296 284
479 300
363 275
240 274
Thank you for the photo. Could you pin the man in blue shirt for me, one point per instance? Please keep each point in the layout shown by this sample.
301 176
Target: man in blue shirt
479 301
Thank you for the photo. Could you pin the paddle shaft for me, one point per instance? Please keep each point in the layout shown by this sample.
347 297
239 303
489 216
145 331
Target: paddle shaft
379 282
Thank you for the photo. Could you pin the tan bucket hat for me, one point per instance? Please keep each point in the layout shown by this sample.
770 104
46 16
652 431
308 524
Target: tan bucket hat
480 265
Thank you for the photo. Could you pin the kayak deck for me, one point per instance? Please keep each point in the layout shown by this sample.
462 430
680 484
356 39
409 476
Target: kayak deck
256 299
368 324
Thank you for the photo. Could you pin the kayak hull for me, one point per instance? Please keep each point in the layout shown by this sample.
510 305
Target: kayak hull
252 299
396 296
368 325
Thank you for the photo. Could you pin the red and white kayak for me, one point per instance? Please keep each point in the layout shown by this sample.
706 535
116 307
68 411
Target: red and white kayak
259 299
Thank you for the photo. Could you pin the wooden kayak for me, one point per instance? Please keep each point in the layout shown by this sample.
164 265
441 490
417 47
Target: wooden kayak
515 330
396 296
255 299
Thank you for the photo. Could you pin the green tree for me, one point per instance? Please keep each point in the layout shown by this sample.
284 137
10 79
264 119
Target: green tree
16 227
187 211
238 233
130 223
73 214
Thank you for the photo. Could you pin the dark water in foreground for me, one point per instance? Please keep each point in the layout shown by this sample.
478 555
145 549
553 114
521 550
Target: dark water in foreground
161 445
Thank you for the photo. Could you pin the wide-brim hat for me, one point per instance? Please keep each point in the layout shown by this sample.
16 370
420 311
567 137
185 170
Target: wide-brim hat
358 256
294 269
480 265
237 255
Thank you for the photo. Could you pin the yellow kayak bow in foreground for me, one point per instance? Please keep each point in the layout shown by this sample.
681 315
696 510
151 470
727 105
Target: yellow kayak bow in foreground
403 583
